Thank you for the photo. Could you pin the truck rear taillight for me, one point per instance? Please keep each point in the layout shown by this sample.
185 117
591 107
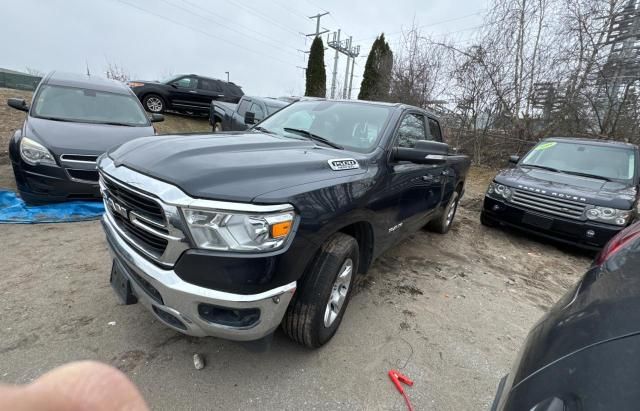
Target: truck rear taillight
618 242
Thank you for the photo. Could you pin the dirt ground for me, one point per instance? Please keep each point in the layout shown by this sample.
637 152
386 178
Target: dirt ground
448 311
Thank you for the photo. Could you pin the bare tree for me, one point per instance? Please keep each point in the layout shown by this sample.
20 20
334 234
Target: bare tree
34 72
116 72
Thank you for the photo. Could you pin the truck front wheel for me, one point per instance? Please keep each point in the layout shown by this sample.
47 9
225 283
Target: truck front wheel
323 293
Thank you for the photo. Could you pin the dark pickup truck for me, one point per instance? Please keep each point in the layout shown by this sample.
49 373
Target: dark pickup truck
577 191
239 117
231 235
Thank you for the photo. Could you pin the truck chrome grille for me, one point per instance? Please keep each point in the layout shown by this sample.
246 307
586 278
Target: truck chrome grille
139 216
550 205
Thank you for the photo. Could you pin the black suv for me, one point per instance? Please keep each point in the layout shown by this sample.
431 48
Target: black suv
184 93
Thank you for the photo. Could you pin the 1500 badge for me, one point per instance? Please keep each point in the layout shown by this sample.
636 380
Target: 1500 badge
343 164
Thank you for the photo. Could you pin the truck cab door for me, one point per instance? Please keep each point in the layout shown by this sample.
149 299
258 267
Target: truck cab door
237 121
418 187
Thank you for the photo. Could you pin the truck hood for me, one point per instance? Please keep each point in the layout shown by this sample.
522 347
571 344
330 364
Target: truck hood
588 190
62 137
232 167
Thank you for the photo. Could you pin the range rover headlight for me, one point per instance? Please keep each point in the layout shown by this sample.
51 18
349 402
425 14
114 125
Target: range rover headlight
34 153
609 215
229 231
500 190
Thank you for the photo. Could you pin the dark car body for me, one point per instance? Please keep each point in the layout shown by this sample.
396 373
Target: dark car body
584 354
185 93
369 194
554 204
75 146
233 117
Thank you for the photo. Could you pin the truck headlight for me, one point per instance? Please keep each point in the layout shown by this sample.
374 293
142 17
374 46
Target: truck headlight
609 215
499 190
229 231
34 153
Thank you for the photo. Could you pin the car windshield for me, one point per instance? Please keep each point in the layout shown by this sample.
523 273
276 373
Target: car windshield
610 163
88 106
169 79
350 125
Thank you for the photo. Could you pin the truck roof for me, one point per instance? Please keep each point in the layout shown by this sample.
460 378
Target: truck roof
59 78
592 141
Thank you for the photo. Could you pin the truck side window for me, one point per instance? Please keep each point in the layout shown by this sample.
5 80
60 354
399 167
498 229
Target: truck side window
411 130
434 129
186 82
243 106
255 108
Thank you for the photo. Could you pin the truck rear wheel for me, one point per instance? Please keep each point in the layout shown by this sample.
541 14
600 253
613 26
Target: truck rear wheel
323 293
443 223
217 127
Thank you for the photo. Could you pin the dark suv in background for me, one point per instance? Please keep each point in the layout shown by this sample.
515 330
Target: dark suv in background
184 93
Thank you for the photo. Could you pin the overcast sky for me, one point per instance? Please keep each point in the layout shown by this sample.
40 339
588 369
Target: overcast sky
256 41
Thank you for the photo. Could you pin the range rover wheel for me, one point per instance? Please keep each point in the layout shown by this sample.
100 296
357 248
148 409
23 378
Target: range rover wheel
217 127
443 223
323 293
153 103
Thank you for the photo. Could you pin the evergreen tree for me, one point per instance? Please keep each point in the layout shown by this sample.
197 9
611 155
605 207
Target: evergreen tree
316 85
376 80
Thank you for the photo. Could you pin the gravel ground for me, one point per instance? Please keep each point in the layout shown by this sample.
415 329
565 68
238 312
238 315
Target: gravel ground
448 311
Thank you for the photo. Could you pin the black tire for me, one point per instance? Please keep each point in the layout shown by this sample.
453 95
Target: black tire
217 127
443 223
153 103
486 221
305 321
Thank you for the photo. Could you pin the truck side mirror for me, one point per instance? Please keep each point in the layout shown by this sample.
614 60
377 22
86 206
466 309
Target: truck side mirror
514 159
157 118
249 117
18 104
424 152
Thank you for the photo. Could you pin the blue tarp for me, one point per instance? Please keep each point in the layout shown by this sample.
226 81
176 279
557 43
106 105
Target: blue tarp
14 210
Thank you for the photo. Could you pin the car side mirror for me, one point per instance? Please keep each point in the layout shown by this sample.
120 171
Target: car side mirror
18 104
174 85
424 152
249 117
157 118
514 159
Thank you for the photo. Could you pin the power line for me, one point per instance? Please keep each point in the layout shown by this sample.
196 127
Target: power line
429 25
196 29
264 17
277 45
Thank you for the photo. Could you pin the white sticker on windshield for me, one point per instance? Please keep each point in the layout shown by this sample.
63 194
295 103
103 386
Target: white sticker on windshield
343 164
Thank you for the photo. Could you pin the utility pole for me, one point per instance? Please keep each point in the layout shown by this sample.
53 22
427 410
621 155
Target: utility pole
227 76
318 32
346 73
353 62
336 45
347 49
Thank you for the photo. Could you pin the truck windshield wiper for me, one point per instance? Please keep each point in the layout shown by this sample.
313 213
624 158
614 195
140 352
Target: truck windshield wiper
578 173
264 130
55 119
313 137
542 167
115 123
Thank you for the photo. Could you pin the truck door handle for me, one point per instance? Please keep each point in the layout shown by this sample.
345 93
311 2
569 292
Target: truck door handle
427 177
192 91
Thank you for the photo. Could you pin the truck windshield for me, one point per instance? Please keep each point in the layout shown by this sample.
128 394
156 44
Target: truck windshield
589 160
88 106
350 125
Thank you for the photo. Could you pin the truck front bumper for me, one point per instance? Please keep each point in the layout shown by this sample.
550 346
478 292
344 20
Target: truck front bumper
195 310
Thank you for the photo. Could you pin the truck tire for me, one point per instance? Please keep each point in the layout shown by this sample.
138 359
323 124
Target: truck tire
217 127
315 313
443 223
153 103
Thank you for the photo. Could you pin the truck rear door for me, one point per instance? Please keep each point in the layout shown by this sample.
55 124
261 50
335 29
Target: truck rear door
417 186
